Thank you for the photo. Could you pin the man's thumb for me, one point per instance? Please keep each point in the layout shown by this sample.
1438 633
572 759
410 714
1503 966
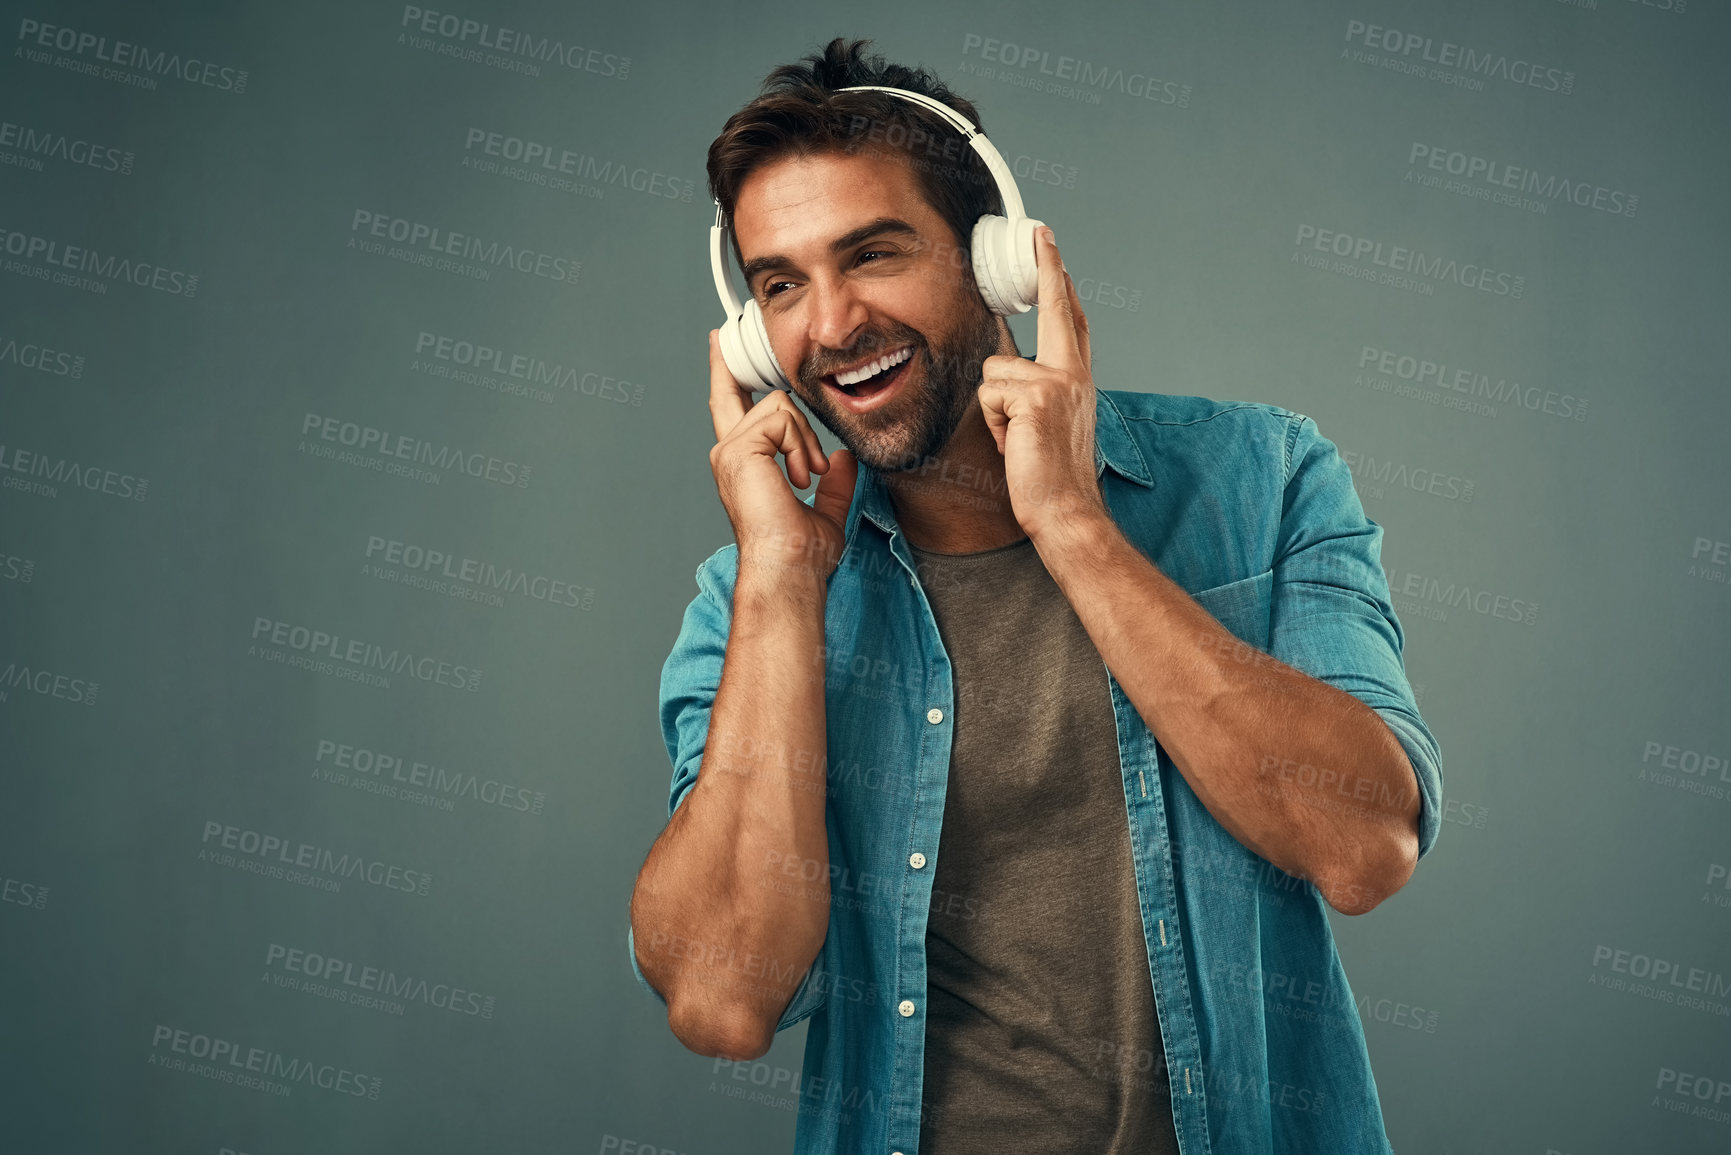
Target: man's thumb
835 486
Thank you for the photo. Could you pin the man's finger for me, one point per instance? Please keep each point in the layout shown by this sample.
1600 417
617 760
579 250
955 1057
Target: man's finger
1083 349
1056 333
771 412
728 400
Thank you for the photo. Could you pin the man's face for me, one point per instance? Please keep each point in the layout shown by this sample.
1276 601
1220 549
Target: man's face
843 293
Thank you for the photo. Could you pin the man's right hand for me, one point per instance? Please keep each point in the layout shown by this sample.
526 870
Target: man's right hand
774 528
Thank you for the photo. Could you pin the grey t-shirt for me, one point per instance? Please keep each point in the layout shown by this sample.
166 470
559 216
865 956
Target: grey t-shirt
1041 1032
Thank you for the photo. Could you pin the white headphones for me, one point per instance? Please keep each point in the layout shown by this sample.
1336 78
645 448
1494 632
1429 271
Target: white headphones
1001 249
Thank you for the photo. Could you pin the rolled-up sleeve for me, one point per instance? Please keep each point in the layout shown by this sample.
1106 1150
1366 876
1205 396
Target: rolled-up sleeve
1331 616
690 679
691 676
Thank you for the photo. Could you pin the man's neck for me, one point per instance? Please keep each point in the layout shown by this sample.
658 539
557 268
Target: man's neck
957 501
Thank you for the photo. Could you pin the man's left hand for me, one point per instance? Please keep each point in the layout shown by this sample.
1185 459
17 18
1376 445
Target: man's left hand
1041 412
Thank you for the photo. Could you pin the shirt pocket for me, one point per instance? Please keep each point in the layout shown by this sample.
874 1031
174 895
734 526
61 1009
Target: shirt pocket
1242 606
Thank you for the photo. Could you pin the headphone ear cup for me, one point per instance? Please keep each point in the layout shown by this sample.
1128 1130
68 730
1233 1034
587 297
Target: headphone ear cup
733 352
761 352
1005 268
745 348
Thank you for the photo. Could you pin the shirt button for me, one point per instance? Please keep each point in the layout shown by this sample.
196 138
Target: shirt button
934 715
916 860
907 1008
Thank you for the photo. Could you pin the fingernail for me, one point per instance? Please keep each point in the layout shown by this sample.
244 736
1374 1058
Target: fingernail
1049 235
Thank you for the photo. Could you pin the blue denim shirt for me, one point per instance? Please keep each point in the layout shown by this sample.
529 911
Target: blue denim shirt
1253 513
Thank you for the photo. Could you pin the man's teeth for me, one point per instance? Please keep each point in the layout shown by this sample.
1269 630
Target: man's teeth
887 361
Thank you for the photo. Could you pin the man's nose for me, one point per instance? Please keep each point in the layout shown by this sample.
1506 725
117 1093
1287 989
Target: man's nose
837 313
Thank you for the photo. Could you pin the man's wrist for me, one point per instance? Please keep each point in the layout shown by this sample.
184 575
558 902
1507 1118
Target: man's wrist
779 580
1086 537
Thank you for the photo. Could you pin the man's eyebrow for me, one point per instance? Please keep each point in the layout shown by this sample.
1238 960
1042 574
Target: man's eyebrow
842 243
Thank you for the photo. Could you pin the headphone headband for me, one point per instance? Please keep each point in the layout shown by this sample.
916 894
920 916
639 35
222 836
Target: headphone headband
988 152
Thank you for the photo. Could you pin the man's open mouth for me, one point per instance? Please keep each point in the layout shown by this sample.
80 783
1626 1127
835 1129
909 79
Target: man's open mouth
873 377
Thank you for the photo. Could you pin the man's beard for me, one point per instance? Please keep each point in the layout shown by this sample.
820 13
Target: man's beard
926 413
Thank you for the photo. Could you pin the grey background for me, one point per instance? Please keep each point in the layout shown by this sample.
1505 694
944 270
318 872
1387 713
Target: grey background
1480 983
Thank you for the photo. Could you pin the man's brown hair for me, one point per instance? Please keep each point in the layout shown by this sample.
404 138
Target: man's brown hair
800 113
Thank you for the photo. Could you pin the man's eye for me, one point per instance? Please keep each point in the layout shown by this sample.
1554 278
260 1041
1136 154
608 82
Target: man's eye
770 288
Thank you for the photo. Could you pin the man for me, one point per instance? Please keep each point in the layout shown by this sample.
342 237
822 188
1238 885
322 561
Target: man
1024 755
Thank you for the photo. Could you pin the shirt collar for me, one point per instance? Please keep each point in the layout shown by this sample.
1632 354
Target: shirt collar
1113 446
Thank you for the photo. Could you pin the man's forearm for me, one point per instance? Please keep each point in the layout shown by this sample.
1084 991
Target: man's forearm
732 904
1298 771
